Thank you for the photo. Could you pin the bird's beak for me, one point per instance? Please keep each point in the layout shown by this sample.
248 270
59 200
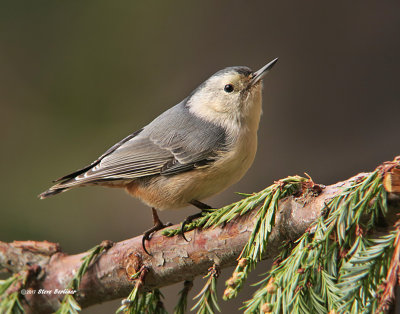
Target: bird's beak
259 75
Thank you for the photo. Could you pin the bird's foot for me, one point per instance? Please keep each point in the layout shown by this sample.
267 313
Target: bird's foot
148 234
188 220
158 225
203 207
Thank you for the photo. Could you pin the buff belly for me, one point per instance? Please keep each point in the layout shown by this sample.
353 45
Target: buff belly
176 191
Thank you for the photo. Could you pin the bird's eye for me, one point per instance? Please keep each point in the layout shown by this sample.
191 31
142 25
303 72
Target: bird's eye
228 88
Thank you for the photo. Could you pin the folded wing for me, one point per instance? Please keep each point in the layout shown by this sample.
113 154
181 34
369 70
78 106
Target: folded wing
173 143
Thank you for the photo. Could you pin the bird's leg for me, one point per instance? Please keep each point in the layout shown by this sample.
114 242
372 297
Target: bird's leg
158 225
200 205
190 218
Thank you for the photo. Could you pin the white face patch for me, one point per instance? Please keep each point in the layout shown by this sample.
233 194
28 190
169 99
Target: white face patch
226 99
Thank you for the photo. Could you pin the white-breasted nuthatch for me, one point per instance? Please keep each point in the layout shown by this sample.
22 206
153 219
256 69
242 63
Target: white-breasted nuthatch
190 152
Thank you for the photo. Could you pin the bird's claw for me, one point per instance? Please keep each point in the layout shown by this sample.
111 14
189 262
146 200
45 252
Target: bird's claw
188 220
148 234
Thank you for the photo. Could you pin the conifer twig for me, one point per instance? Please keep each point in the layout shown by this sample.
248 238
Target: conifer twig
387 297
181 306
173 259
207 298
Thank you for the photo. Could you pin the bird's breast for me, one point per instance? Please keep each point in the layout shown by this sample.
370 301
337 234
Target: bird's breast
176 191
235 163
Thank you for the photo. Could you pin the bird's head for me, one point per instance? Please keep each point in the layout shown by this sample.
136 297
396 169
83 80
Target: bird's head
230 94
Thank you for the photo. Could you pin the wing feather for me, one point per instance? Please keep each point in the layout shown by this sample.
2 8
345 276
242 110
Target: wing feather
184 143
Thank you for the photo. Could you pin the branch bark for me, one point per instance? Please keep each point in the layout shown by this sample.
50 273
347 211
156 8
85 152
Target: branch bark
173 259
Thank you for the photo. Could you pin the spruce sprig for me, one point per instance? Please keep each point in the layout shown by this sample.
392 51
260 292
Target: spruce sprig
363 272
142 301
149 303
10 301
134 300
316 275
69 304
267 202
216 217
387 291
255 247
207 303
181 306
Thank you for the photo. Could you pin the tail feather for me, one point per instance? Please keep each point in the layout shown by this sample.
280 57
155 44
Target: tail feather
67 182
77 178
53 191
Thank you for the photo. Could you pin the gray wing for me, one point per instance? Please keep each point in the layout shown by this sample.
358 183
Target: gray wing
174 142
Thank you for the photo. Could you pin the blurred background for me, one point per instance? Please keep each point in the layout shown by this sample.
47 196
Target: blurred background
78 76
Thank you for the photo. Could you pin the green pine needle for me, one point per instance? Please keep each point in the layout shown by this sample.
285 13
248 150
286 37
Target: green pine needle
131 302
256 246
336 266
69 304
216 217
10 301
267 202
6 283
181 306
11 304
134 301
143 302
207 303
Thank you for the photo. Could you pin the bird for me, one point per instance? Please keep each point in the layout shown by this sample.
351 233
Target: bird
190 152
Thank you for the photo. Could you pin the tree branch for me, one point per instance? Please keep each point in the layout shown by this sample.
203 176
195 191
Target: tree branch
173 259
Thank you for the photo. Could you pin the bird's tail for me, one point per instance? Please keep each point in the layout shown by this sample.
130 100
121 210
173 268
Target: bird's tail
67 182
64 184
55 189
